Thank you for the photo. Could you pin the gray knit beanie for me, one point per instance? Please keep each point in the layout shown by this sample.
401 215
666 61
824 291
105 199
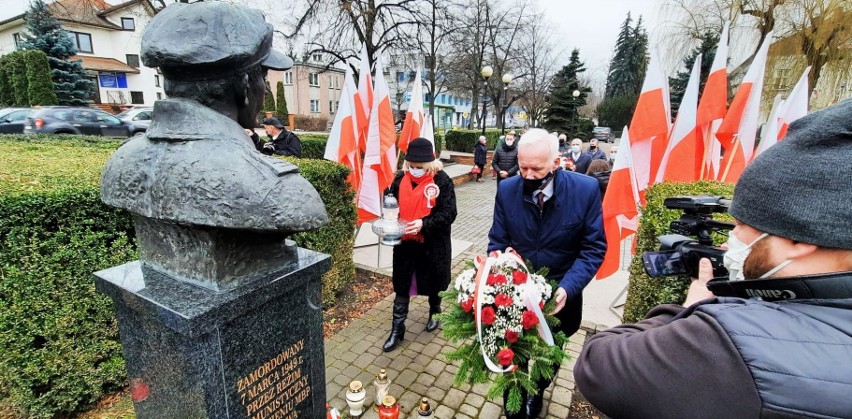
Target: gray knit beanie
801 188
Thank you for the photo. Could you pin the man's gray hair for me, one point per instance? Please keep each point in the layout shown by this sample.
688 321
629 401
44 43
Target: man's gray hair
537 135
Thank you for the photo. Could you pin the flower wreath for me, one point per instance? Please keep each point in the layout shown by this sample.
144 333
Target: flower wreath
502 306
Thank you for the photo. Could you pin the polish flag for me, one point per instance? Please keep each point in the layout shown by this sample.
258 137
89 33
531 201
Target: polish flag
413 124
428 132
712 107
380 159
769 133
365 98
620 211
650 124
682 161
342 145
796 104
739 128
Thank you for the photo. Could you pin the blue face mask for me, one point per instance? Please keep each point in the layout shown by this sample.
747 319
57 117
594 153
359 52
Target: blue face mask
575 148
416 172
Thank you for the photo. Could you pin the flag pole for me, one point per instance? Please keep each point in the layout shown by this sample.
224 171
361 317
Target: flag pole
731 156
707 143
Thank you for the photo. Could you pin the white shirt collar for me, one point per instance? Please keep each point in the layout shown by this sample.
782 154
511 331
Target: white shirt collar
548 191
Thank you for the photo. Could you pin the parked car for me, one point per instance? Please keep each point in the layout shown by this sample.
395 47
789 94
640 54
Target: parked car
78 120
602 133
12 120
138 115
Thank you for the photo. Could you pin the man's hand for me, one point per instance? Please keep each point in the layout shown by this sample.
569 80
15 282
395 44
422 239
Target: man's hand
698 289
414 227
504 173
248 132
561 297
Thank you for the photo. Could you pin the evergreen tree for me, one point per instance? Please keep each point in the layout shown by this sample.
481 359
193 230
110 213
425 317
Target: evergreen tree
18 77
46 34
268 100
638 59
7 97
628 65
39 83
561 113
707 49
281 102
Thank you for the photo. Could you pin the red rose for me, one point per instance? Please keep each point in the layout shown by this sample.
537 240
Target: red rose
488 316
467 305
491 280
500 279
505 357
502 300
529 320
511 336
519 277
541 305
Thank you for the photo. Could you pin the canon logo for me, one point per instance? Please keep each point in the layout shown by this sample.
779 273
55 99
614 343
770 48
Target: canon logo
772 294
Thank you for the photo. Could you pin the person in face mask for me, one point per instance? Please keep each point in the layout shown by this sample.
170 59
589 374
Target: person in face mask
774 339
427 201
594 151
505 159
553 219
580 158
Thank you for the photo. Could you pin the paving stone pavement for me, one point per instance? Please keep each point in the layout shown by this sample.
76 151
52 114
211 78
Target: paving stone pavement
418 368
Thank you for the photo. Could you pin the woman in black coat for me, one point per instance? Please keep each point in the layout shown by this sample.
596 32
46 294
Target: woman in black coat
480 156
421 263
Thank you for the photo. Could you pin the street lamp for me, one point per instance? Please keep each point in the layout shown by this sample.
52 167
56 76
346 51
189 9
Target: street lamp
486 73
576 94
507 78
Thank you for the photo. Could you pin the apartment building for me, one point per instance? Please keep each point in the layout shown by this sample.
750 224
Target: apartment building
108 39
311 88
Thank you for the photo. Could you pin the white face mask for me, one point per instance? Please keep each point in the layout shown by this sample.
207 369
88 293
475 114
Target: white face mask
738 252
575 149
510 142
416 172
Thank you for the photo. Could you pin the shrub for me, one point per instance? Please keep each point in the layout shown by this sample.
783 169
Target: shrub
39 82
644 292
18 77
59 345
310 123
465 140
313 145
281 103
7 96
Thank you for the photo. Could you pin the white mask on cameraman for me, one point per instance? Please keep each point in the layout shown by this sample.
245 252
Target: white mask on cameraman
416 172
736 255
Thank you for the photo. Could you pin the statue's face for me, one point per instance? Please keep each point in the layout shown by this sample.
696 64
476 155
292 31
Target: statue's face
255 92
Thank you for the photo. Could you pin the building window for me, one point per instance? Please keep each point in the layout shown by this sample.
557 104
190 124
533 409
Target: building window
159 96
83 41
288 77
156 80
400 76
317 57
17 37
331 106
128 24
133 60
137 98
315 105
782 79
313 79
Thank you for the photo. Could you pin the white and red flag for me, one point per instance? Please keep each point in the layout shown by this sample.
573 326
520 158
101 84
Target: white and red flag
739 128
413 124
380 158
342 145
682 161
620 207
650 124
796 104
712 107
363 105
428 132
769 133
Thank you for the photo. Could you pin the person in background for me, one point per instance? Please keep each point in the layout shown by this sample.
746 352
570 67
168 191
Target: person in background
774 339
613 151
480 156
421 263
552 218
282 142
594 151
564 146
505 160
581 159
600 170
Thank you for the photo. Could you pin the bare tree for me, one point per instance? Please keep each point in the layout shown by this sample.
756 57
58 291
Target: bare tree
439 23
538 59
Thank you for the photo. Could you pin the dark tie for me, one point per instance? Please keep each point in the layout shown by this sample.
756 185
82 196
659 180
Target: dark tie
539 200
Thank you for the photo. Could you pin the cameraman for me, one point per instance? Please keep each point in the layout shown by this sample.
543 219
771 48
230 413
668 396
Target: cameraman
788 354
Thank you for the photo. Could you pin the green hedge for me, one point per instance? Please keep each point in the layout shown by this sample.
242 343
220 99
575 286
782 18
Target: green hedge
59 346
313 145
644 292
465 140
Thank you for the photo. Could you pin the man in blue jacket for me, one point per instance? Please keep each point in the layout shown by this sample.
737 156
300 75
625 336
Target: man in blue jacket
553 219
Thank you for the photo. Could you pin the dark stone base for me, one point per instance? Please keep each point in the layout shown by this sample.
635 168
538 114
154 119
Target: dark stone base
252 352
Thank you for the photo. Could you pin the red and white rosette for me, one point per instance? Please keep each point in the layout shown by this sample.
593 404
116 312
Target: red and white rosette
530 297
431 191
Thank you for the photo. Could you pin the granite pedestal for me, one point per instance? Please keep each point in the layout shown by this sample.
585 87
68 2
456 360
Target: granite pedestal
254 351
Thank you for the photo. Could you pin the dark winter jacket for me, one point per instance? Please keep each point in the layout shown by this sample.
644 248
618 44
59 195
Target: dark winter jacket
603 180
567 236
285 144
725 358
430 259
581 163
505 158
596 154
480 154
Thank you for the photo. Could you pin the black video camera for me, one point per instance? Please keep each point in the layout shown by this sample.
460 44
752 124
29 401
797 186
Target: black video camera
679 254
